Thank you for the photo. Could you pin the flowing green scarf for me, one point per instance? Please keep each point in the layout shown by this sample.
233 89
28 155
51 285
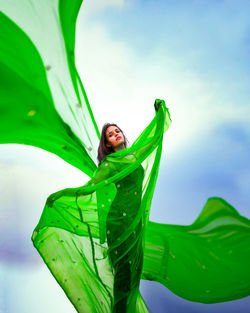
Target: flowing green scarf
97 239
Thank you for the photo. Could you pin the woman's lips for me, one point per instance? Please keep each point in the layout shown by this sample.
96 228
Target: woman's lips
118 138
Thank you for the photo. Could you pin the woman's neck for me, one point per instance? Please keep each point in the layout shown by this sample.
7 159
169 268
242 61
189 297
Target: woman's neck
119 147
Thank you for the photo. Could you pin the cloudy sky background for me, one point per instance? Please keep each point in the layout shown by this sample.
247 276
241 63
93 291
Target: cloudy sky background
193 54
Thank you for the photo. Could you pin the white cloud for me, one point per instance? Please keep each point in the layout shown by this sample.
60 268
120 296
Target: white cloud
28 176
122 83
93 6
30 287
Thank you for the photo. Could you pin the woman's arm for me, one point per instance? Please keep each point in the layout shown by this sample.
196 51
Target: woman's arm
152 134
102 173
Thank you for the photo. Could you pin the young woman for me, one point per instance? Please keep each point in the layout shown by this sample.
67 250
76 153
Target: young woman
127 258
101 224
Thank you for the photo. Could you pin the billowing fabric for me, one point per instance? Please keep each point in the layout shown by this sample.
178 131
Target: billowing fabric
100 226
97 239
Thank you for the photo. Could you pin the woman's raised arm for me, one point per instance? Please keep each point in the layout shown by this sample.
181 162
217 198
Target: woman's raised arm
152 134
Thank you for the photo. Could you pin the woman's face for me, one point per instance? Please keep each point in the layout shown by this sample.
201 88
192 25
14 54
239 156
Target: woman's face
115 138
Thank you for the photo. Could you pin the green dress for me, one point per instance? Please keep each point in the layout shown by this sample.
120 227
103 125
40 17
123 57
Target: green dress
96 255
127 257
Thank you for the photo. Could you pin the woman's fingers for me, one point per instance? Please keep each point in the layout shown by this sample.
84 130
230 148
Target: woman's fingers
157 105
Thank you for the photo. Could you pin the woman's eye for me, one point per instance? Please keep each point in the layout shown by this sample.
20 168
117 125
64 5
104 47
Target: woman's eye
112 134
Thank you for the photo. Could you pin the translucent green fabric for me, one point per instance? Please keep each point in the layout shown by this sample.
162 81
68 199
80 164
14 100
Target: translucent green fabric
97 239
39 80
97 230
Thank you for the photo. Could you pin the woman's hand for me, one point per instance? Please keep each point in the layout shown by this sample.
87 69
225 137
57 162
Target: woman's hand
157 104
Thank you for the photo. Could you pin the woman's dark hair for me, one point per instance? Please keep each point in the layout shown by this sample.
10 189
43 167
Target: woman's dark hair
103 150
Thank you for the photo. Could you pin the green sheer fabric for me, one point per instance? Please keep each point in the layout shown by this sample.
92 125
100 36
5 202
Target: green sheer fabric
97 239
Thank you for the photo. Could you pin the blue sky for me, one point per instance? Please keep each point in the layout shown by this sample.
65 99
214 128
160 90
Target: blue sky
210 38
193 54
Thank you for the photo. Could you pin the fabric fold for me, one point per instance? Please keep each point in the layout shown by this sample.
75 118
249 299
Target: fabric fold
207 261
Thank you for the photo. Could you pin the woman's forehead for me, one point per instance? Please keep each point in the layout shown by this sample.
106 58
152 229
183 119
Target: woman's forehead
111 128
